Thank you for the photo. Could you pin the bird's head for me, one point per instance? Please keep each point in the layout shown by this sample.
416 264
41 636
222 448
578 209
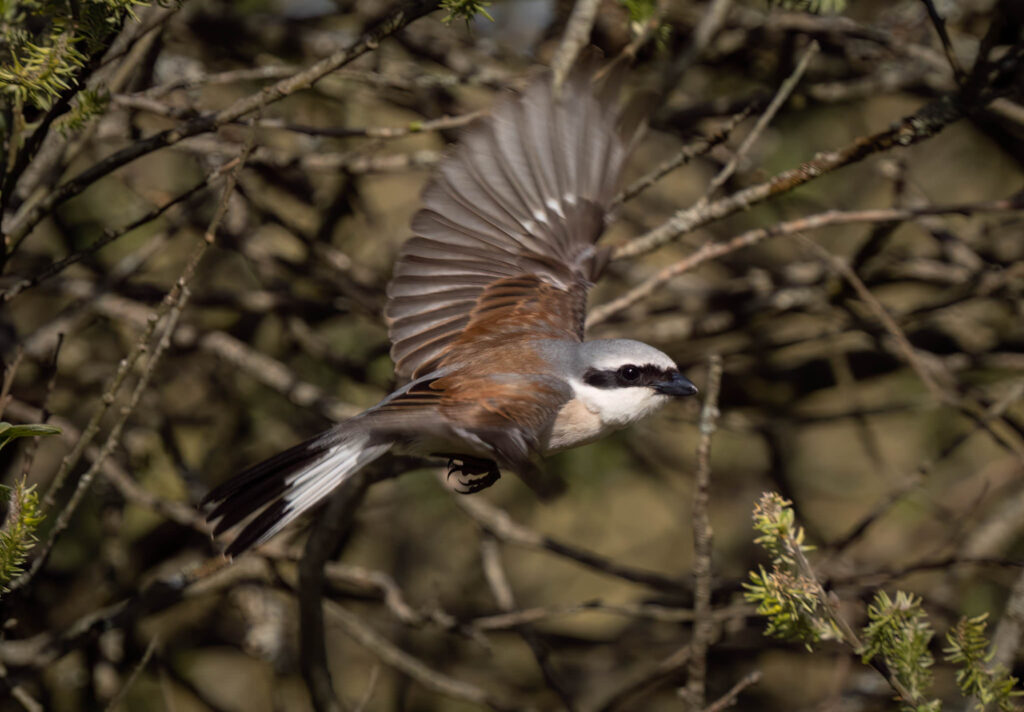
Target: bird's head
622 380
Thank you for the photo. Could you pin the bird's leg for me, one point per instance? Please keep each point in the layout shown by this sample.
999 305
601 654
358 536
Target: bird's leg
472 474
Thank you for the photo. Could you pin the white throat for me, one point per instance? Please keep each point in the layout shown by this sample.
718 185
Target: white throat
618 407
593 412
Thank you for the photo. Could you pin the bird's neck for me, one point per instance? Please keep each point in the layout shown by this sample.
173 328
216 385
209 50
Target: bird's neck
593 412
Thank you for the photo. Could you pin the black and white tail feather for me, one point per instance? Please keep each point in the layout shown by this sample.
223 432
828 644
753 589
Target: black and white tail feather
290 482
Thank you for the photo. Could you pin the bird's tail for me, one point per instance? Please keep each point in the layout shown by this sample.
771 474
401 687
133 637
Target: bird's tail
289 483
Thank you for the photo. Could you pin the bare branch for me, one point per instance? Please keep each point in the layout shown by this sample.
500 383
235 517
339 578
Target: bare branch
110 235
1009 632
173 304
686 154
116 700
498 523
713 250
783 93
398 659
923 124
494 572
333 524
576 37
703 625
25 221
729 698
947 46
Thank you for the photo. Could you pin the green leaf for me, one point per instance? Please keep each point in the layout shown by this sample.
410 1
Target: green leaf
10 432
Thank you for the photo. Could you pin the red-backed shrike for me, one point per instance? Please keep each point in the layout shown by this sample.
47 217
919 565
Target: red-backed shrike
486 313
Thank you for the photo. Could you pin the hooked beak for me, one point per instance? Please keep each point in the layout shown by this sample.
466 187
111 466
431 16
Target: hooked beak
676 385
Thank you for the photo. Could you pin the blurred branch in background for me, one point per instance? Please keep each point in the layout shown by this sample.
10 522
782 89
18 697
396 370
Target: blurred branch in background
704 625
859 368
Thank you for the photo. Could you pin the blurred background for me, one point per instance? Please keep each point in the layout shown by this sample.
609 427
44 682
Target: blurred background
892 420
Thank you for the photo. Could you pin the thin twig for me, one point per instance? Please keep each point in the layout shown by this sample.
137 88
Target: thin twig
1013 393
85 481
107 399
1005 436
1009 632
712 20
112 234
272 373
443 123
332 525
703 626
923 124
686 154
9 371
174 302
355 162
20 694
908 350
500 524
178 512
647 611
497 580
947 46
70 460
119 697
44 415
410 81
713 250
729 698
382 585
51 159
649 29
884 506
273 71
882 577
576 37
259 366
433 680
371 687
830 607
25 221
646 680
785 89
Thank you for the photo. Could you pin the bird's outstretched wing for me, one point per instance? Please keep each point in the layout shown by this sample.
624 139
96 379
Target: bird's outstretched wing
503 251
505 238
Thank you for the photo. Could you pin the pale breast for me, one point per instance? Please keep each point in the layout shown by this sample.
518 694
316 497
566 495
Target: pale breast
574 425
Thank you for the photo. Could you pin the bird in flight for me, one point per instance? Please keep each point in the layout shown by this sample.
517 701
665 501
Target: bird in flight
486 314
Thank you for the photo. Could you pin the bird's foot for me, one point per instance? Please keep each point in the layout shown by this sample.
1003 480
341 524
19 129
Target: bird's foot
471 474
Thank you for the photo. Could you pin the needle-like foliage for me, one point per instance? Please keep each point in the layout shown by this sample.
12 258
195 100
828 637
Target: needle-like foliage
45 45
898 632
17 535
465 10
969 649
897 636
785 595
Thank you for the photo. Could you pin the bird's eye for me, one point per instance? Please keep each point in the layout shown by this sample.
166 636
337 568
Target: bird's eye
629 373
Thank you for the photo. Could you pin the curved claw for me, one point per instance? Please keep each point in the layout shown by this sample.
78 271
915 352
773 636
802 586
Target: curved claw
472 475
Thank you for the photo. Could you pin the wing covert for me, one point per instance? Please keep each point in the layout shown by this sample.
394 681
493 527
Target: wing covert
524 194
